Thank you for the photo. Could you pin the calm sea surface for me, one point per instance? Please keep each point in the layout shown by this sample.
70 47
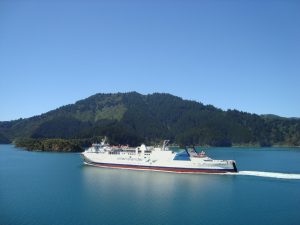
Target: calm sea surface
38 188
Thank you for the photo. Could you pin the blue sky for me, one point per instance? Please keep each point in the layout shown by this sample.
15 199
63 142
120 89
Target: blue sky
231 54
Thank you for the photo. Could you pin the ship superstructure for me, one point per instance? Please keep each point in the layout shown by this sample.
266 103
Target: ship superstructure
155 158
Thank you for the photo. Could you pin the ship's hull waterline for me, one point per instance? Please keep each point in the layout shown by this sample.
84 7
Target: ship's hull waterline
161 168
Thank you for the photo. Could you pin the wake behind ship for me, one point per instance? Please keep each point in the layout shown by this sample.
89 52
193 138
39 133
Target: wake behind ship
155 159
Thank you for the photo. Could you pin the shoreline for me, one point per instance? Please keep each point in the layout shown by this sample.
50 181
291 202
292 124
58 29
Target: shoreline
68 150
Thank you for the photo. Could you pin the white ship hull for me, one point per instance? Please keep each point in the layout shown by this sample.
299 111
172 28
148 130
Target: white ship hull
158 160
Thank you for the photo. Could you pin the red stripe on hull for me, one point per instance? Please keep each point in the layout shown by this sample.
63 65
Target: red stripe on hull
163 169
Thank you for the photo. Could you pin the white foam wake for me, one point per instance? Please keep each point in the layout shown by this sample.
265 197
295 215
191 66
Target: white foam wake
270 174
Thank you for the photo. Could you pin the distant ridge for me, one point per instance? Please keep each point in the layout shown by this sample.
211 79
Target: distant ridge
133 118
272 116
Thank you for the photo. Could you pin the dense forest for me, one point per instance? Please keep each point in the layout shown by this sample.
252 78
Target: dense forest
132 118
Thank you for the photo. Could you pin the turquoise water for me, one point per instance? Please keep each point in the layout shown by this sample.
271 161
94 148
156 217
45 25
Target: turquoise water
38 188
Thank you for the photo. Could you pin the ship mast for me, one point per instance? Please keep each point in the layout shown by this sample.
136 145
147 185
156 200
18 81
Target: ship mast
165 144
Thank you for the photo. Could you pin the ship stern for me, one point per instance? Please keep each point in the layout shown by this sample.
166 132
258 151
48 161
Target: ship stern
234 166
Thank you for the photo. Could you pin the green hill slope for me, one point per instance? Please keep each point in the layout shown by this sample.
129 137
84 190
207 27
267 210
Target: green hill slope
132 118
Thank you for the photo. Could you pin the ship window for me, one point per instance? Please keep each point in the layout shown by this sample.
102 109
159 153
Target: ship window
183 155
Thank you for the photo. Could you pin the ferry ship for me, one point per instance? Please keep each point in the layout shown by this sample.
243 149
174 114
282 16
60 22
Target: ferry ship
155 159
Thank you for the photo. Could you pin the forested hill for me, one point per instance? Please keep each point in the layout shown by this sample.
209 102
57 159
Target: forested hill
132 118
